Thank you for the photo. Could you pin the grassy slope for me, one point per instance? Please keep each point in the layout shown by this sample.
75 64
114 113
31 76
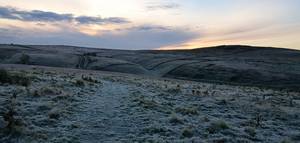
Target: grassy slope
64 105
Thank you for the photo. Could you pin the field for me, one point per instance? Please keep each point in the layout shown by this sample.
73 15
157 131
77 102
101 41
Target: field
70 105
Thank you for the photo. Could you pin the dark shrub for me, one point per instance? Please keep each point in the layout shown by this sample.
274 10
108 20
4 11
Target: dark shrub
4 76
24 59
79 83
18 79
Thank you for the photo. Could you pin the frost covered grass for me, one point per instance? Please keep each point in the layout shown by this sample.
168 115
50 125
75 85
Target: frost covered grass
110 107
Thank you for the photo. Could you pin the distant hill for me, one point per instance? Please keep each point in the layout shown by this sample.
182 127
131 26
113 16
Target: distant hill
236 64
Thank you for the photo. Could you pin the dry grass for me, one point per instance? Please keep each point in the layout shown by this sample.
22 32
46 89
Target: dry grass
187 110
174 119
187 132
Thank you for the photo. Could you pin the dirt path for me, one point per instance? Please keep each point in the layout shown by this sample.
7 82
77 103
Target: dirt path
101 115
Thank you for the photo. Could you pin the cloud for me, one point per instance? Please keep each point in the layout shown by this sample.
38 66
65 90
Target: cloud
99 20
136 38
146 37
44 16
147 27
35 15
162 6
130 36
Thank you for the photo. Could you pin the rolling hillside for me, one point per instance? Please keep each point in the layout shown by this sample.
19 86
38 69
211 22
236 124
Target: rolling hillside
242 65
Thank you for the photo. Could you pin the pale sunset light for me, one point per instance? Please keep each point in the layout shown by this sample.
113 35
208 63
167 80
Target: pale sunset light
183 24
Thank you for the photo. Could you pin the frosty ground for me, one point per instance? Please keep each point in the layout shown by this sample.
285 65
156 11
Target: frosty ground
68 105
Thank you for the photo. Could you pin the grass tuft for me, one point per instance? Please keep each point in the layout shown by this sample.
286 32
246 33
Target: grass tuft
250 131
187 111
175 119
217 126
187 132
79 83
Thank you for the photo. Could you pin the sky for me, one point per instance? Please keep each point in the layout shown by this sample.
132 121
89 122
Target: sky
151 24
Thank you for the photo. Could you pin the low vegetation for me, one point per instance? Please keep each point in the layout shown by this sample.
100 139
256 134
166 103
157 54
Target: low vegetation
217 126
187 132
14 124
187 110
54 114
155 130
174 119
89 79
250 131
14 78
146 103
79 83
63 107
